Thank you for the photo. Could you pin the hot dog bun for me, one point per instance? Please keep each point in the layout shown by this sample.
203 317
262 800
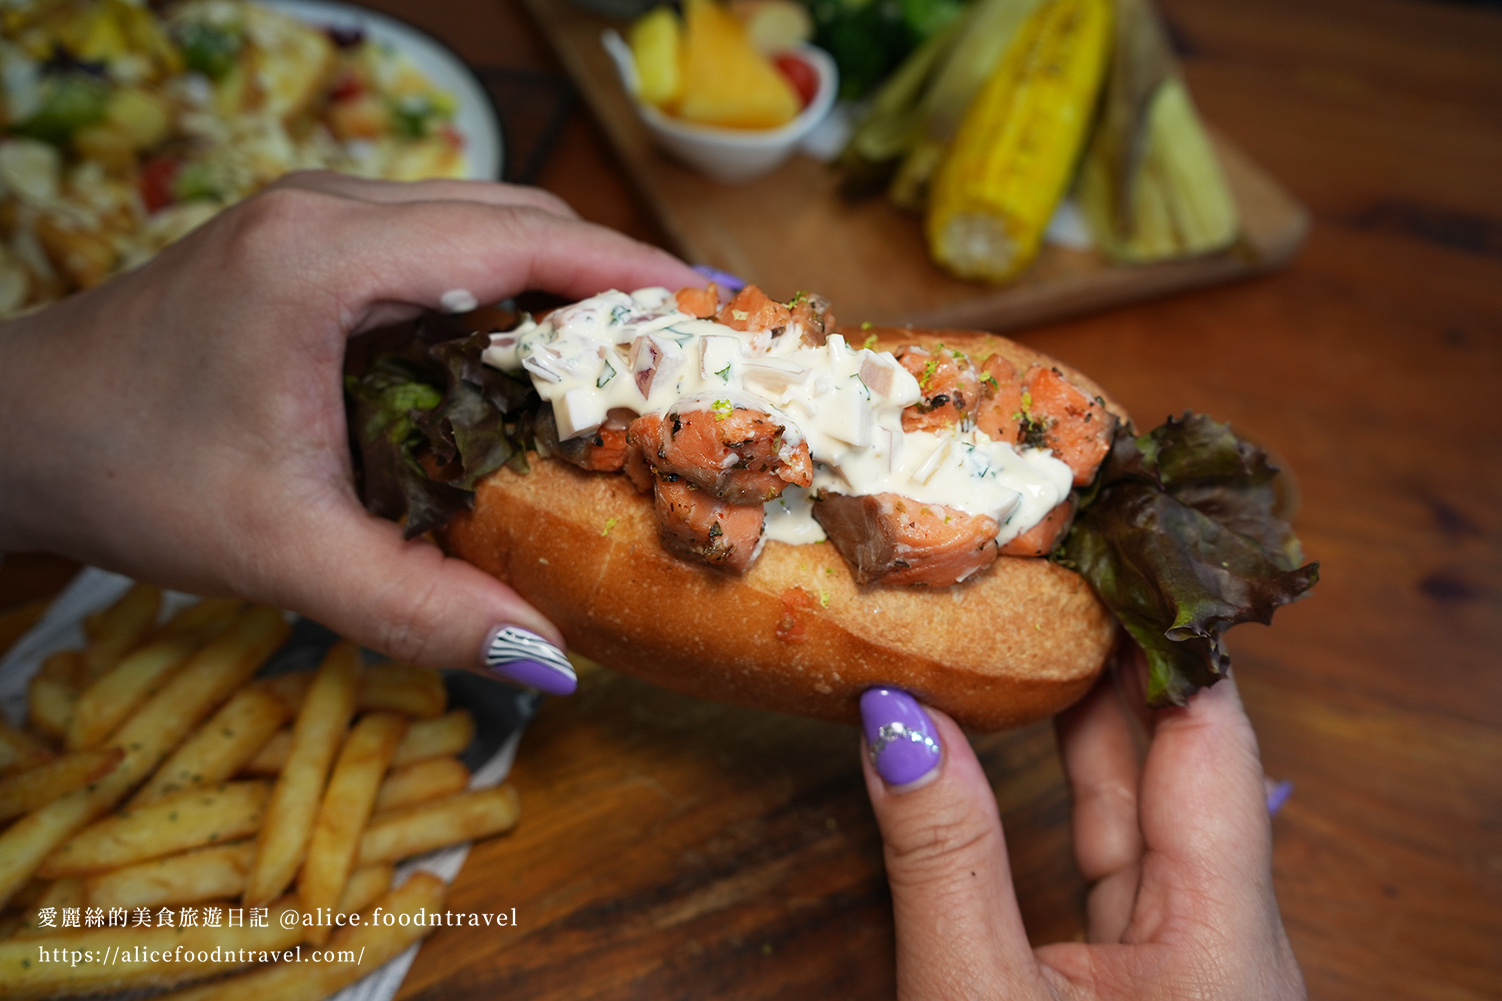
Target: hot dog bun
1016 643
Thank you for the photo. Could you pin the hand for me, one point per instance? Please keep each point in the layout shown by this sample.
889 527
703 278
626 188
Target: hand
184 423
1178 853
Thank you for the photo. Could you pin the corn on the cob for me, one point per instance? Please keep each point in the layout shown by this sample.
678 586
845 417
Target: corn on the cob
1150 184
1016 148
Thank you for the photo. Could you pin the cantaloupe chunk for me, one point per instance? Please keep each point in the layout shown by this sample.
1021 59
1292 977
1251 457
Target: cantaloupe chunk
726 82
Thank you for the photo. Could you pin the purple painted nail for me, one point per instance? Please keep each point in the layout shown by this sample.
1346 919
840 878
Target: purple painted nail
724 279
1277 795
527 658
902 741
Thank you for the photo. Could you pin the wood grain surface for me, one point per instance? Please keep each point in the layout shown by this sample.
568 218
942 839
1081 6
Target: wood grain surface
674 849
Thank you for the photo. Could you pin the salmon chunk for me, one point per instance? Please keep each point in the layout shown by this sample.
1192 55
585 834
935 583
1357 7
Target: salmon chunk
698 526
812 313
603 450
900 541
753 310
698 302
1058 415
740 456
1000 412
949 383
1044 537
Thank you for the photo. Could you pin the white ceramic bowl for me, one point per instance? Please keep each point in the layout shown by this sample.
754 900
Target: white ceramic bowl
729 155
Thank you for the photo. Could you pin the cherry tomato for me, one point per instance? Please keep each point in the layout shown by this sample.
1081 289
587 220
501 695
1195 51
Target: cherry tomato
158 179
803 77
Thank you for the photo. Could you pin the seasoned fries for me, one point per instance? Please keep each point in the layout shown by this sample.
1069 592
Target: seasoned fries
420 782
450 733
169 719
214 873
111 698
187 820
439 823
294 803
346 807
35 788
146 737
220 747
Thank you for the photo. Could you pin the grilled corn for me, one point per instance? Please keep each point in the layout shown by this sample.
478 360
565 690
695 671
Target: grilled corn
1016 148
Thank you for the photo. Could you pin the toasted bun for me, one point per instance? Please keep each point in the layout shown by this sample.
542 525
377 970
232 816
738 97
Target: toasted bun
1017 642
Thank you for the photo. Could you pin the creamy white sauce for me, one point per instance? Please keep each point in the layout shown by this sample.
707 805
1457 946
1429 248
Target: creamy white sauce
623 355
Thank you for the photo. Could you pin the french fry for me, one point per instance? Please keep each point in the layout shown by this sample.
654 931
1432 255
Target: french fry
50 704
64 666
272 757
219 748
204 951
170 825
66 892
202 619
30 790
413 909
19 751
436 824
391 686
420 782
320 727
146 737
450 733
291 687
365 886
402 688
122 628
346 807
214 873
116 693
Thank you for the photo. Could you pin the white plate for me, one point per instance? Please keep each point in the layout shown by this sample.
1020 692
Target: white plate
475 116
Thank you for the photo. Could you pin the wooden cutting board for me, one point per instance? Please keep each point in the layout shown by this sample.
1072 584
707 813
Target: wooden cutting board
790 230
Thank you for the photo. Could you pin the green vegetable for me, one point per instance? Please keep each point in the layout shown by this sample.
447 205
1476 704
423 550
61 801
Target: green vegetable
431 421
412 115
868 38
68 102
210 49
196 180
1181 539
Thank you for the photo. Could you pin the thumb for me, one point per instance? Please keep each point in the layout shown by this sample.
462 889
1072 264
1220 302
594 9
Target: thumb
959 933
407 599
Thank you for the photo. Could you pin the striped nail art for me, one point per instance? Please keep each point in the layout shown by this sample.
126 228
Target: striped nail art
525 657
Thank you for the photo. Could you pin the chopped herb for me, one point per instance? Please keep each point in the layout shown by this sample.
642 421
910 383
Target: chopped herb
605 376
619 314
929 371
610 524
722 409
724 373
870 343
823 597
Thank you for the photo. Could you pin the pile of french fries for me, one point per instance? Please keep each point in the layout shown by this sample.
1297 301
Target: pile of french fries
158 776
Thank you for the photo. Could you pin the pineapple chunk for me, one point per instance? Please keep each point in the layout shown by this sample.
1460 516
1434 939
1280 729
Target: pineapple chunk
726 82
657 45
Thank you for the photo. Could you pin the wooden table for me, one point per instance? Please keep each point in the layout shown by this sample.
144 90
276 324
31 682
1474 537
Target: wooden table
671 848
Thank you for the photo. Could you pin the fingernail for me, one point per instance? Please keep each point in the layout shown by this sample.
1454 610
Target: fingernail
724 279
527 658
1277 795
900 737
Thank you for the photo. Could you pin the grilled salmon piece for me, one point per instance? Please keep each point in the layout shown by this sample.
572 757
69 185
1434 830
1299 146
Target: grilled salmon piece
1000 412
949 383
896 540
699 302
812 313
1042 538
603 450
1061 417
753 310
696 525
740 456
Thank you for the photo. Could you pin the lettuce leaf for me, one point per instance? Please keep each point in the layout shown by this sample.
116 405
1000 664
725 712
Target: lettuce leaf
430 421
1181 538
